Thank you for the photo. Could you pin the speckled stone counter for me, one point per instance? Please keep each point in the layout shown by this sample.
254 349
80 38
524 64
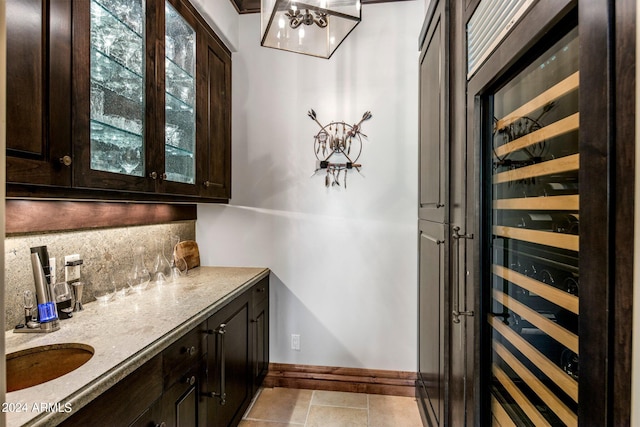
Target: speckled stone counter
125 334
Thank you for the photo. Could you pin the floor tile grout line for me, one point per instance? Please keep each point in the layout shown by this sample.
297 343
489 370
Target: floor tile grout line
272 421
340 406
313 393
252 403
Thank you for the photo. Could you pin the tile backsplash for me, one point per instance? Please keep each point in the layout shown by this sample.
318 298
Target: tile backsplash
103 251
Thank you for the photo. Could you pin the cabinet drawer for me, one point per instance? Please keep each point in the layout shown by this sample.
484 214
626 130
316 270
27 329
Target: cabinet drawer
182 356
125 401
260 292
180 401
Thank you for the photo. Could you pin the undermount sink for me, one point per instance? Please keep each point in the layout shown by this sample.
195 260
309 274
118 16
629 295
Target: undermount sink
37 365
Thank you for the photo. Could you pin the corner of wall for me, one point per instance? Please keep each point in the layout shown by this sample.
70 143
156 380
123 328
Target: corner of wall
223 18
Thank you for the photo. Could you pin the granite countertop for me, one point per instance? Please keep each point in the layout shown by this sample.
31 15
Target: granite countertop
125 334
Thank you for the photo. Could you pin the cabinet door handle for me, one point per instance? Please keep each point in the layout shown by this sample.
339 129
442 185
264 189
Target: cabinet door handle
190 350
66 160
456 313
222 394
190 380
153 175
207 184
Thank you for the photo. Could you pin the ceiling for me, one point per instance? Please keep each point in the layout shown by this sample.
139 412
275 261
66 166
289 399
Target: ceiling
253 6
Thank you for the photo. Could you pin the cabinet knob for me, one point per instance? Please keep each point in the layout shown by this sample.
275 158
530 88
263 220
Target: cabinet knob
207 184
190 380
191 350
164 176
65 160
153 175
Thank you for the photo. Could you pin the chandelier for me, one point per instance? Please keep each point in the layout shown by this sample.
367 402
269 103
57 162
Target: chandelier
310 27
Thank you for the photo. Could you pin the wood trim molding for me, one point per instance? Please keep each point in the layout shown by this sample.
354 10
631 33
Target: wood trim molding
357 380
37 216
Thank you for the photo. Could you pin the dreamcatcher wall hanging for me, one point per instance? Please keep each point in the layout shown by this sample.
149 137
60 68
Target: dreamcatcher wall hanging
337 147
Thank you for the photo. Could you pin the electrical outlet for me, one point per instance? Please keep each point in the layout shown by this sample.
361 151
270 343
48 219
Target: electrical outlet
295 342
71 273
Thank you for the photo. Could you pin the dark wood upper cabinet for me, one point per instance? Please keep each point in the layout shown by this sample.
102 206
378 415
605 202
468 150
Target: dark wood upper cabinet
38 91
117 101
434 141
214 120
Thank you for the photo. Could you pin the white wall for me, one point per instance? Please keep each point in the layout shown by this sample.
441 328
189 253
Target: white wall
222 17
344 262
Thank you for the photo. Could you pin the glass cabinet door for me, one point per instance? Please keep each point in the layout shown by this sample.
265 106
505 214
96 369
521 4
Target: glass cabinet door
180 115
117 79
532 277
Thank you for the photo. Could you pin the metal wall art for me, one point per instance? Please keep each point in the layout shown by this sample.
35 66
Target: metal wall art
337 147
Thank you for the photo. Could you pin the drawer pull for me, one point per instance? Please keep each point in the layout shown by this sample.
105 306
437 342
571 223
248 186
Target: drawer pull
190 350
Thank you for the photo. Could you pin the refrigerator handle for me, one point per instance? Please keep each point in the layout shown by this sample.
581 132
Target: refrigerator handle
456 313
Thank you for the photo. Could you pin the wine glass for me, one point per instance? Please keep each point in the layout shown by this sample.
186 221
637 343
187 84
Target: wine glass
162 268
108 37
106 292
130 159
139 275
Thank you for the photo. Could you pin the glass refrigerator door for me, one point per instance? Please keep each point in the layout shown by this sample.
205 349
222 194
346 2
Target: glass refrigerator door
532 163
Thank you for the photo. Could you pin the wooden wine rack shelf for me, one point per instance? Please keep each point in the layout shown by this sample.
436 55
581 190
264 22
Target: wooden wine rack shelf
542 391
566 125
549 327
548 292
501 418
550 369
560 89
517 395
559 165
550 203
549 238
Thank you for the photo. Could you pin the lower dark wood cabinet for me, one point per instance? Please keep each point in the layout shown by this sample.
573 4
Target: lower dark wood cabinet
229 377
130 402
260 334
205 378
180 403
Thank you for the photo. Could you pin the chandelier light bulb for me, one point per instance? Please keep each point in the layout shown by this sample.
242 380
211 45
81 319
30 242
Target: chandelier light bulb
330 22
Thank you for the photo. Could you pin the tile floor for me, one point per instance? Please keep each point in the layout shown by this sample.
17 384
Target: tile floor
287 407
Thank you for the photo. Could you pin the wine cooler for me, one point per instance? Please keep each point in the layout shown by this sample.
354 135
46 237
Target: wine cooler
531 284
